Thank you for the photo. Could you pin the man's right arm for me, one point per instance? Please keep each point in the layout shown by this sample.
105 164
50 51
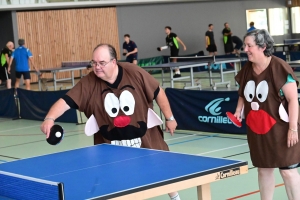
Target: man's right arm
9 64
59 108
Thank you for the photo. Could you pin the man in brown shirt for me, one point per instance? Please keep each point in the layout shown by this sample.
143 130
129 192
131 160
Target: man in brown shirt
119 97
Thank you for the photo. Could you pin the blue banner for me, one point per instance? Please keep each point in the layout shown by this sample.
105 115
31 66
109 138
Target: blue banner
204 110
35 105
8 107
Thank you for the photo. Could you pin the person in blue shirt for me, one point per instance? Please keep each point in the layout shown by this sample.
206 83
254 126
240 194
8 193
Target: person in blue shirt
21 56
130 50
251 27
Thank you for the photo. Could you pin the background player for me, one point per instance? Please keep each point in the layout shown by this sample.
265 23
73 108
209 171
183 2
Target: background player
5 56
22 55
172 42
210 40
130 50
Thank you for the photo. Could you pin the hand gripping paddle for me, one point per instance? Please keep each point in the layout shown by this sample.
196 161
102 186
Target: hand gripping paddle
233 119
56 134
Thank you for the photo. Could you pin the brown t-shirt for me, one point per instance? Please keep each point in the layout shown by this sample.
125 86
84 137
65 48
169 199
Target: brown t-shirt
121 108
266 132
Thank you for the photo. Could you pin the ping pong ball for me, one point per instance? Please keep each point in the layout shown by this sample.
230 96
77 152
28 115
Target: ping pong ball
58 134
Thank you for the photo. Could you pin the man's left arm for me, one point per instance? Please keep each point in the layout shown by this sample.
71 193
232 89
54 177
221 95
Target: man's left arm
180 41
164 105
135 50
32 63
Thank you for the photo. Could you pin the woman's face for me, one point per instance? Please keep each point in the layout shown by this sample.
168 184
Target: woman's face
253 51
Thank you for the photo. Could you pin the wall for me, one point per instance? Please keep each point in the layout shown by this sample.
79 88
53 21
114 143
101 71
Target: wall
8 33
54 36
6 24
145 23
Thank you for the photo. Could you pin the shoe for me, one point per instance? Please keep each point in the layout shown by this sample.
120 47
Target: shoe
177 75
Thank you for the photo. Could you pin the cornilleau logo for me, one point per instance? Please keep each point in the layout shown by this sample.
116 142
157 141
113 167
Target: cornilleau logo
214 109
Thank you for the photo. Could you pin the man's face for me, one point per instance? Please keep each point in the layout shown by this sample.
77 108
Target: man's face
10 46
226 25
103 64
167 31
211 27
126 39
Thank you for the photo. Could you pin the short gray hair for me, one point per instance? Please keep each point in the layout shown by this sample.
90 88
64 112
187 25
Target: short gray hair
111 49
262 39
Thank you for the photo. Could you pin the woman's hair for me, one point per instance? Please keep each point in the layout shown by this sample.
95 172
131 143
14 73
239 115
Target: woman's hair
262 39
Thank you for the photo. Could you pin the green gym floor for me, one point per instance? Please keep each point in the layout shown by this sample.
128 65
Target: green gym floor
23 138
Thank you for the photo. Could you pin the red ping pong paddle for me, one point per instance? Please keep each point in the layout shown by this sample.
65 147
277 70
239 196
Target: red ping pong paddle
234 120
56 134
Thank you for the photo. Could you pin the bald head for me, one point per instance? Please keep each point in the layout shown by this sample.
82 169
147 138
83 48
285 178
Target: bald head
10 45
106 48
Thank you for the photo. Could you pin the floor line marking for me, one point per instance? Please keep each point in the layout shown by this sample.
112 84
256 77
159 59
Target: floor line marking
180 137
18 128
250 193
222 149
192 140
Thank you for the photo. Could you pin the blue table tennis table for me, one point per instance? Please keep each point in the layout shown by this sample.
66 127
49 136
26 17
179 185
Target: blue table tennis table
112 172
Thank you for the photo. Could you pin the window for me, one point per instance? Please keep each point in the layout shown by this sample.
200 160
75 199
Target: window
278 21
259 17
295 16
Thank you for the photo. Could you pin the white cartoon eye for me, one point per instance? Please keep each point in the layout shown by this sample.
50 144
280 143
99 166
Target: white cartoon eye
249 91
111 105
262 91
127 102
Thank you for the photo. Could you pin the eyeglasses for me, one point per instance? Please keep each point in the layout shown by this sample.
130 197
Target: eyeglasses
101 63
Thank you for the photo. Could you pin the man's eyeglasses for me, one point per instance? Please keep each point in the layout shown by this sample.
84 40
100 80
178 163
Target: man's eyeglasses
101 63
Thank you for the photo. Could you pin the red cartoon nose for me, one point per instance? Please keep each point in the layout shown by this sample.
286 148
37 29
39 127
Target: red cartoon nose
122 121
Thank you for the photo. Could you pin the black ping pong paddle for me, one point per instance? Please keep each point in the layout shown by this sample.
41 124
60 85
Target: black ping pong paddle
124 54
56 134
158 49
233 119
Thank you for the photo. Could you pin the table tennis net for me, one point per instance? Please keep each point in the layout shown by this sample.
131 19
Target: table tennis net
194 59
14 186
75 63
291 41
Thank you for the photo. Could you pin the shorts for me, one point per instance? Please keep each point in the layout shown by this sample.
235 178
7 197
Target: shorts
290 167
174 52
131 58
4 75
238 46
211 48
26 75
228 47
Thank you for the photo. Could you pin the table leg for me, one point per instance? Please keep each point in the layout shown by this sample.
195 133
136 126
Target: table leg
192 76
162 76
73 79
204 192
40 86
171 77
54 80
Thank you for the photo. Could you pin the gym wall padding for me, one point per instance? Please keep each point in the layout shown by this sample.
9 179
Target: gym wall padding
204 110
54 36
35 105
8 106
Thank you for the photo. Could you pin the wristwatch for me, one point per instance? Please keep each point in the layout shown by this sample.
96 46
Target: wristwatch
170 119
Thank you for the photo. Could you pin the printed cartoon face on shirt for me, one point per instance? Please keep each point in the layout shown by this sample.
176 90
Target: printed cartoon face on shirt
121 108
259 121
